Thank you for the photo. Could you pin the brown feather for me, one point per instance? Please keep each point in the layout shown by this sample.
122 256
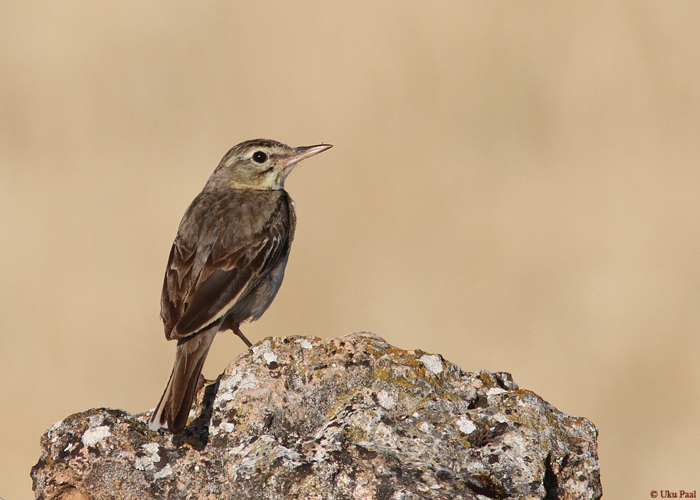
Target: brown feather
226 263
174 406
202 287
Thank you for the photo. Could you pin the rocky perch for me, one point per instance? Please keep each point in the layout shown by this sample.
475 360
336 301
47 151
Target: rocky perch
345 418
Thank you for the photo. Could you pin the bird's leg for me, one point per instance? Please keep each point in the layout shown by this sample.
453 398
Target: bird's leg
236 329
201 382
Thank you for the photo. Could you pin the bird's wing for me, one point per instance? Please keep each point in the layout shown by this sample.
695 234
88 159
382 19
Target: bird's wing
205 279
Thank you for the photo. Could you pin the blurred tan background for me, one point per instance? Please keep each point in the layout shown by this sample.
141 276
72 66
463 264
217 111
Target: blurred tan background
515 185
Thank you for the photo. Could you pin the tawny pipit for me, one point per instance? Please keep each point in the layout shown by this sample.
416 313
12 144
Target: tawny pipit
227 261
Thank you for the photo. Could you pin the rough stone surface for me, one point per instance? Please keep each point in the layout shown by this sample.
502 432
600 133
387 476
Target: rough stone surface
345 418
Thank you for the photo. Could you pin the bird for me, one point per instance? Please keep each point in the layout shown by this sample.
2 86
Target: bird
227 262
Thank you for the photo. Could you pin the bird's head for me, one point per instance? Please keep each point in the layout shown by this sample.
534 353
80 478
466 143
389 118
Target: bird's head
260 164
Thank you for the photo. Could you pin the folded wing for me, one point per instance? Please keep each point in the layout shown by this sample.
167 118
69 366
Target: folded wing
206 279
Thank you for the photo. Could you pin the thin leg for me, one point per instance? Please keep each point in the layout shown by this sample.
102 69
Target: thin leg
235 327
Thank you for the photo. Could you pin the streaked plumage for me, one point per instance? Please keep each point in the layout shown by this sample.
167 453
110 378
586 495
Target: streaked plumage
227 261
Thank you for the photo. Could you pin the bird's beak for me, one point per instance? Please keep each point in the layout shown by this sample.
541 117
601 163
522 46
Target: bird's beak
303 152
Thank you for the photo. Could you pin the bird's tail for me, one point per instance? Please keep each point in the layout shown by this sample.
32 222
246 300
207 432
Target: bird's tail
174 406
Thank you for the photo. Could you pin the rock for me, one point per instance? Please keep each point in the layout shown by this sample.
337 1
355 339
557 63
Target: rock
350 418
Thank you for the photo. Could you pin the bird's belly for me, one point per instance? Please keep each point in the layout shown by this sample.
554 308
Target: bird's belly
259 299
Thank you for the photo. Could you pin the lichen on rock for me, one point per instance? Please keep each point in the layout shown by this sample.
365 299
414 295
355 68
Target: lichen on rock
351 417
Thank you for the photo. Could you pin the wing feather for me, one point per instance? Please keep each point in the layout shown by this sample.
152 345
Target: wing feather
206 278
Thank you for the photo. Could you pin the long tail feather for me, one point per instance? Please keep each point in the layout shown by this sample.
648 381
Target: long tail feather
174 406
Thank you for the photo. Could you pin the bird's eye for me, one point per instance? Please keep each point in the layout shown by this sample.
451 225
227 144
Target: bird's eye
259 157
